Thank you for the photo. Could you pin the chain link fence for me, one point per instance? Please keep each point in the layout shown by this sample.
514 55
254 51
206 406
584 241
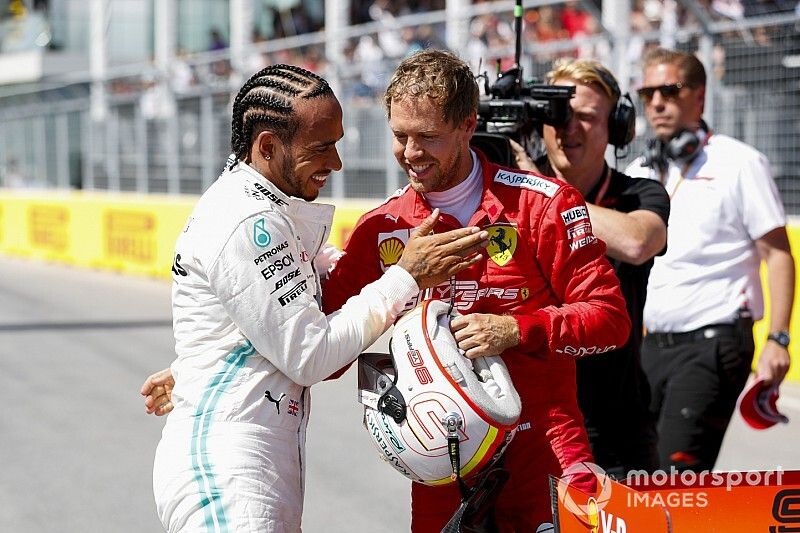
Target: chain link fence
176 142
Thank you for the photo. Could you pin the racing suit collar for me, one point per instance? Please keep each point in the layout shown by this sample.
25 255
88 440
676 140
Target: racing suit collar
294 207
490 206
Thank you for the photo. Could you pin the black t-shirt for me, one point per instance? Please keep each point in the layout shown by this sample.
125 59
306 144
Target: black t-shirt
626 194
613 384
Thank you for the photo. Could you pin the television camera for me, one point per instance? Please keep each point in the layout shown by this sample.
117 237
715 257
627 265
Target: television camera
515 108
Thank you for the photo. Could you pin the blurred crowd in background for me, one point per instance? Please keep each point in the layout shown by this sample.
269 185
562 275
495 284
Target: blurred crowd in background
752 47
491 35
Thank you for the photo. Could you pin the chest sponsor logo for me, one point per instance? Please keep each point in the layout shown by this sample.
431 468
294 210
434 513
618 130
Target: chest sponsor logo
390 251
277 265
261 236
502 243
467 293
575 214
259 192
293 293
286 279
391 246
272 251
524 293
527 181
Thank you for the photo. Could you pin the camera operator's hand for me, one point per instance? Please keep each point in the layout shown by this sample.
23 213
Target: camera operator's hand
521 158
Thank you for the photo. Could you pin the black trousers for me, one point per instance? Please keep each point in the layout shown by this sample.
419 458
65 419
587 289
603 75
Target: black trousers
614 397
695 380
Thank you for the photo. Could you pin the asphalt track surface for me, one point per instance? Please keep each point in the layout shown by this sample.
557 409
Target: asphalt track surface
77 449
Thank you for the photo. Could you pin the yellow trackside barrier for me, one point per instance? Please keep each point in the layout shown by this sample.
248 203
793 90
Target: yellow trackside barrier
127 233
136 234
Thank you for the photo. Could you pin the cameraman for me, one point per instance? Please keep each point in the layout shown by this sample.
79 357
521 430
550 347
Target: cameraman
630 215
705 291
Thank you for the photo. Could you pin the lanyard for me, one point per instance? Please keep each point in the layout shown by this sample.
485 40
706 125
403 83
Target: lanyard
598 200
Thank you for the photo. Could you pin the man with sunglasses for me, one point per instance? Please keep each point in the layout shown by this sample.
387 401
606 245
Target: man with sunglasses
704 293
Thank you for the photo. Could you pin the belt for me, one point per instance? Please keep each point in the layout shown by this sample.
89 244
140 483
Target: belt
707 332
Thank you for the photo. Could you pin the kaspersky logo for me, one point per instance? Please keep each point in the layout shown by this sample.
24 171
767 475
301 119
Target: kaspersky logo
587 514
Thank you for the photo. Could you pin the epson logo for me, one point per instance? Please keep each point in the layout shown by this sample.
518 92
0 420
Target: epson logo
277 266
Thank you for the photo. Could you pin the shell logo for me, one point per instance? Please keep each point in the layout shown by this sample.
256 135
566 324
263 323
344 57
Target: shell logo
390 251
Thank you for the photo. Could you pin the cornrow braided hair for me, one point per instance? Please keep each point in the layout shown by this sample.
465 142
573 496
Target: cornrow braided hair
267 99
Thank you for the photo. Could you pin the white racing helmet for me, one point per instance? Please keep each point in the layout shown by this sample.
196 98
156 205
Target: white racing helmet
433 414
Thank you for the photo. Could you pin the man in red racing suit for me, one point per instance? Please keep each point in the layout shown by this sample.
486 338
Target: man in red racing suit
544 267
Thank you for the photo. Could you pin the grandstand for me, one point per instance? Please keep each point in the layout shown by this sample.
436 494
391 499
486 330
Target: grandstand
133 95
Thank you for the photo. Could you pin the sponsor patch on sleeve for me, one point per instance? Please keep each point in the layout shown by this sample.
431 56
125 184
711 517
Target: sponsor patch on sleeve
578 227
527 181
575 214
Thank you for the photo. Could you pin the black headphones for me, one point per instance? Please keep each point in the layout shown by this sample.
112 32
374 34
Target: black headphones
622 120
681 148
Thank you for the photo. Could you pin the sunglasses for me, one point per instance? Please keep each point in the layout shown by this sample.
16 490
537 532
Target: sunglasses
669 92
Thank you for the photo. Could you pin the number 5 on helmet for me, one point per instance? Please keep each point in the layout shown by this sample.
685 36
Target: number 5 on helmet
433 414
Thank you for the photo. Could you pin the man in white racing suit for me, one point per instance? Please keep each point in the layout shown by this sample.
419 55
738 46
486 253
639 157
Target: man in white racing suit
250 335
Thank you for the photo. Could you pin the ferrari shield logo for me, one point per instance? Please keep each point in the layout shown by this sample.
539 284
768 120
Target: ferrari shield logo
502 243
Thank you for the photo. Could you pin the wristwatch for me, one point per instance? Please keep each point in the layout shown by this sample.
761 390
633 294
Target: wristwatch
781 337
